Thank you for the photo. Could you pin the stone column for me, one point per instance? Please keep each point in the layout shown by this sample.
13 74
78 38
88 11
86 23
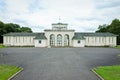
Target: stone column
55 39
62 40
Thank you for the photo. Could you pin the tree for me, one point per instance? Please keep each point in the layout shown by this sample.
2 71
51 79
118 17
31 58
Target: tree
2 31
11 27
102 28
114 28
26 29
1 28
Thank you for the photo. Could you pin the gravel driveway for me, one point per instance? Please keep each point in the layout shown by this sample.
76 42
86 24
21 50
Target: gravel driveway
58 63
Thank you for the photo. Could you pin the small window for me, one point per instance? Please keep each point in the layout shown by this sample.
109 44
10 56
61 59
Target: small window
40 41
78 41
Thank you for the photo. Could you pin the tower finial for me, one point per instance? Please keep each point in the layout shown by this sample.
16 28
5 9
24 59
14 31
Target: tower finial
59 19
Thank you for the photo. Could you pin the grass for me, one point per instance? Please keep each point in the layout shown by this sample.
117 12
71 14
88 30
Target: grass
118 46
2 46
7 71
109 72
119 55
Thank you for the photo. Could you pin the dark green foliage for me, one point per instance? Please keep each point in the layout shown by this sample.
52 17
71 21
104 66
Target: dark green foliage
2 30
26 29
102 28
11 27
114 28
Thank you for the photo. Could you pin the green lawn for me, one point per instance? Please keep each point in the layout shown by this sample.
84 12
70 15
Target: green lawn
109 72
1 45
119 55
7 71
118 46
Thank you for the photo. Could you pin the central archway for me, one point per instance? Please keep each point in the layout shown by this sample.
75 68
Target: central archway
59 40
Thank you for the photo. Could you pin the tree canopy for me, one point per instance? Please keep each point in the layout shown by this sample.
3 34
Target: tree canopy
114 28
26 29
11 27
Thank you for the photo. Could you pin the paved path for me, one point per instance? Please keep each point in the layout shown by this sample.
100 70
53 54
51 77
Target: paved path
58 63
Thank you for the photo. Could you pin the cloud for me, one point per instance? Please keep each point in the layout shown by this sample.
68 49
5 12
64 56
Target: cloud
2 6
35 6
18 6
81 15
108 4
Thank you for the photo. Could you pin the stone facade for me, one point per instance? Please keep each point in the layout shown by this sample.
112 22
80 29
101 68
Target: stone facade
59 36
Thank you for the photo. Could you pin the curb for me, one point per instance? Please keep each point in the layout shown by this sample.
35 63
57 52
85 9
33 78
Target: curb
15 74
97 74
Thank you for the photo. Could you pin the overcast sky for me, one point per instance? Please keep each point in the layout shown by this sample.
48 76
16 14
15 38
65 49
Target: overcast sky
81 15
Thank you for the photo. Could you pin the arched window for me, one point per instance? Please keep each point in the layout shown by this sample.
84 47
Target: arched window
59 40
52 40
66 40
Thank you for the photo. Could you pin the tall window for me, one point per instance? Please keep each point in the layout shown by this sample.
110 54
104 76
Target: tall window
16 39
112 39
95 39
88 39
109 40
102 39
99 39
59 40
52 40
23 39
66 40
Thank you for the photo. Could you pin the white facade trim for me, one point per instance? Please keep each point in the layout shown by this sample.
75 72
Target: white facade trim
60 29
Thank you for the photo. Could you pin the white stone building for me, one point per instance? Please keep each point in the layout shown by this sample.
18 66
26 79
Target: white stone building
59 36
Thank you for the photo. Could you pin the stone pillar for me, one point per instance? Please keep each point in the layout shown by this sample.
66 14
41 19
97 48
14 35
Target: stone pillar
48 40
70 41
62 40
55 39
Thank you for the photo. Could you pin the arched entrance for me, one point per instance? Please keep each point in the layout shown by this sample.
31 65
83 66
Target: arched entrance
59 40
52 40
66 40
